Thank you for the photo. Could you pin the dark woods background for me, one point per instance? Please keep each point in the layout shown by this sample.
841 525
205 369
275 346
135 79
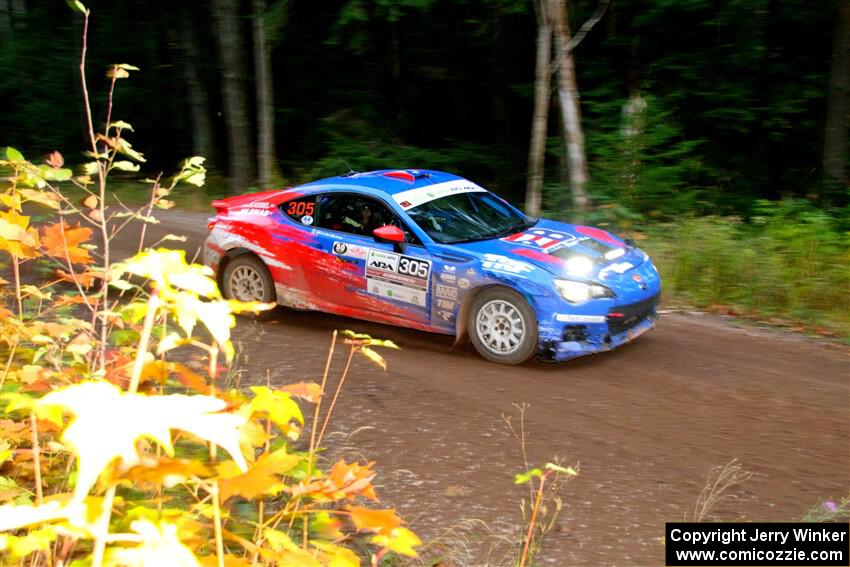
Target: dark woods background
734 94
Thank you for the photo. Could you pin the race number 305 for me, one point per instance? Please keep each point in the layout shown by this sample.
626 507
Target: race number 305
413 267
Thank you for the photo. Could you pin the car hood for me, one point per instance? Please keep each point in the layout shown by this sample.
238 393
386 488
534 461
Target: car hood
570 251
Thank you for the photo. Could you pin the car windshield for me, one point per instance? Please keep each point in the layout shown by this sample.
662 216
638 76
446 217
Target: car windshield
466 217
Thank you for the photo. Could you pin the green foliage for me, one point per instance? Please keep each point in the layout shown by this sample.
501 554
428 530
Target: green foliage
641 161
789 261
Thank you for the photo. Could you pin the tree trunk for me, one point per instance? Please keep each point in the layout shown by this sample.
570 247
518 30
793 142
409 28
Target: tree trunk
199 105
540 119
265 97
835 147
229 32
5 20
568 98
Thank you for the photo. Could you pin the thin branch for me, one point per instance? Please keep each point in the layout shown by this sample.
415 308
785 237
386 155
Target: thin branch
580 34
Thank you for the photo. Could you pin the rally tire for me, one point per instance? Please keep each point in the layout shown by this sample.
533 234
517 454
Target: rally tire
247 278
502 326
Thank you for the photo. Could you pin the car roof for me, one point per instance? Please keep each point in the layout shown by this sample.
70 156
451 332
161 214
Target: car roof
389 181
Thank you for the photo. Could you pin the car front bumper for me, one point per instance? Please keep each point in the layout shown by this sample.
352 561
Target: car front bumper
564 337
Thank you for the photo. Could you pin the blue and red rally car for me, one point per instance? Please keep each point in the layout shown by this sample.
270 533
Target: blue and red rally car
436 252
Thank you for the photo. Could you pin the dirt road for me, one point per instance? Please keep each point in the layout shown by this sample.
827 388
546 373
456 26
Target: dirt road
646 423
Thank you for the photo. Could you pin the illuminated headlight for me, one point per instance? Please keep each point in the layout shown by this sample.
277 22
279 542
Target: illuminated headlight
578 292
579 265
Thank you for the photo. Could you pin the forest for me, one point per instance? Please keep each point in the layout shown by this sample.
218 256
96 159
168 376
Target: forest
716 131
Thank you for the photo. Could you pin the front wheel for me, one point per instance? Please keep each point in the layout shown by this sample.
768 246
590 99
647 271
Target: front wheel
502 326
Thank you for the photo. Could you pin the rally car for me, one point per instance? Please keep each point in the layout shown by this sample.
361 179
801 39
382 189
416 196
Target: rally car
435 252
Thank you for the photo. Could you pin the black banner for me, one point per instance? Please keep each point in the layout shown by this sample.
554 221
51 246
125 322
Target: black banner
758 544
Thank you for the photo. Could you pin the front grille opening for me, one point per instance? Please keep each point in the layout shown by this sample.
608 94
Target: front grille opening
575 333
624 317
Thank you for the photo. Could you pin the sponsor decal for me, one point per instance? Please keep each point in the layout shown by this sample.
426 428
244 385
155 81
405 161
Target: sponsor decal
350 250
446 304
618 268
568 318
415 197
541 238
448 278
444 291
497 263
446 316
402 278
450 269
601 236
260 208
307 219
615 253
463 283
471 272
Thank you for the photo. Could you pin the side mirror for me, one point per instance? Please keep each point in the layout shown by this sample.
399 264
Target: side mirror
391 234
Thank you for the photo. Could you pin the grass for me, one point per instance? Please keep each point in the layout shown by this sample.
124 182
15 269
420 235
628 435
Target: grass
788 271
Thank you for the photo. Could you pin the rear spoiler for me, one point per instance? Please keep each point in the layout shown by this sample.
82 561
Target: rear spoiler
222 205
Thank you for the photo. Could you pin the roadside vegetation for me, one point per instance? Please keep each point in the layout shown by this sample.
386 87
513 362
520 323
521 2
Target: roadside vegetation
123 442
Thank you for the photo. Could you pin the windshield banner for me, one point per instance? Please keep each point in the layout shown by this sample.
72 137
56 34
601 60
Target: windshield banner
415 197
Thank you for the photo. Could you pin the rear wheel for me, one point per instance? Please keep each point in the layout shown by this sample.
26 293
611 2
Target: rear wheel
502 326
246 278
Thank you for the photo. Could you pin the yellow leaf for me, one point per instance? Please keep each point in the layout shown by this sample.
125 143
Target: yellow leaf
91 202
108 422
40 197
15 516
399 540
15 235
374 357
21 546
336 555
12 201
160 546
290 554
277 405
261 478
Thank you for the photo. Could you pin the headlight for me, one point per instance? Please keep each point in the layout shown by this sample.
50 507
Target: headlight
579 265
578 292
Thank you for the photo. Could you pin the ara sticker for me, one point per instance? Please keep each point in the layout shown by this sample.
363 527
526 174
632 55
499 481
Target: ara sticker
307 219
403 278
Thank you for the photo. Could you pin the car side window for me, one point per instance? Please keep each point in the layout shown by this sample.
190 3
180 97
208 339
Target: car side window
357 214
301 210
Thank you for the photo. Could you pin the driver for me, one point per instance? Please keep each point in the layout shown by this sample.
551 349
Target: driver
358 217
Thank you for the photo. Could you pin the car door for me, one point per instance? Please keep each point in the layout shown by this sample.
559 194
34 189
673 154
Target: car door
380 281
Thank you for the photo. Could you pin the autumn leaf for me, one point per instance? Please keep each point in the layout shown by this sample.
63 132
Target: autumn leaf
15 235
167 472
91 202
399 540
307 391
59 239
374 357
353 479
277 405
261 478
369 520
108 422
289 553
55 160
43 198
